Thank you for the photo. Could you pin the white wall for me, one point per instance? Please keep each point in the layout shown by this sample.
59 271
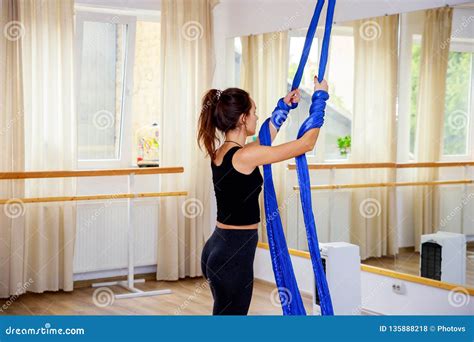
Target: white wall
376 293
150 5
259 16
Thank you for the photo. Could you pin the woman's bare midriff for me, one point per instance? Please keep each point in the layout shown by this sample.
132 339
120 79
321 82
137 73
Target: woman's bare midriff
227 226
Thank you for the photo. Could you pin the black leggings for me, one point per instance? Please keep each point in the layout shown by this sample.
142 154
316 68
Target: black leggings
227 264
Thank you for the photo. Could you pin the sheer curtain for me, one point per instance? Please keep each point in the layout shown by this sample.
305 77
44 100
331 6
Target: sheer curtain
187 66
264 75
430 118
12 221
373 224
50 140
42 137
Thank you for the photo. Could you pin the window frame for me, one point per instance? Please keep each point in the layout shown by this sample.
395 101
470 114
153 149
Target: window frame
467 46
319 153
125 137
456 45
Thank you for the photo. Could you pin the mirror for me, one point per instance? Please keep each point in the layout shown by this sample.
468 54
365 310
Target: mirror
387 220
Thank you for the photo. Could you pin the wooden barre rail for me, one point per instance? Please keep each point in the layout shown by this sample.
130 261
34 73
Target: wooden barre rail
90 173
389 184
93 197
316 166
390 273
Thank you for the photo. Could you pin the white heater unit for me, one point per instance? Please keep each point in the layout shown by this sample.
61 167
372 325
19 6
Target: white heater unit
443 257
341 262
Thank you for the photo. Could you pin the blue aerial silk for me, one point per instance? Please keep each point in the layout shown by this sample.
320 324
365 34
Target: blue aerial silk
290 296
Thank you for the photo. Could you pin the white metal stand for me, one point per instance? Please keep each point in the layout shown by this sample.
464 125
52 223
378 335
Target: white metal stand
129 284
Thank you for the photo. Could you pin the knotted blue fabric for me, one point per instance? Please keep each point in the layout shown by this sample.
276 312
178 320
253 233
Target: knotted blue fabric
290 296
280 113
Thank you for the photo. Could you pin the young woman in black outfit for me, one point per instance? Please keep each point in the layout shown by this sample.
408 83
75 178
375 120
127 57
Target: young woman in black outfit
228 255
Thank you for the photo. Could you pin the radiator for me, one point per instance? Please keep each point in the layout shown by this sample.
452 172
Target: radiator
101 235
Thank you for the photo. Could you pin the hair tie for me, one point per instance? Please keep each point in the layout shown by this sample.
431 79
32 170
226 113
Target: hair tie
218 95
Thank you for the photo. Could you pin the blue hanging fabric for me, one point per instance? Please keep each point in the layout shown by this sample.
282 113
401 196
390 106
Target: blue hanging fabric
290 297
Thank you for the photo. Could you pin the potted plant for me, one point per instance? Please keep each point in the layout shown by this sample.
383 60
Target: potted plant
344 145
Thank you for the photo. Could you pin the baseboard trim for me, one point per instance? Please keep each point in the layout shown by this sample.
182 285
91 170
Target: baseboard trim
368 312
86 279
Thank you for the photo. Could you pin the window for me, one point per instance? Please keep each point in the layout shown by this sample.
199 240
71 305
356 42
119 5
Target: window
146 79
118 80
238 61
102 54
340 76
298 115
458 108
457 103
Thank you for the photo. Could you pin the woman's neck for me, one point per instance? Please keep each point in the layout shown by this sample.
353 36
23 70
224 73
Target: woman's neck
237 137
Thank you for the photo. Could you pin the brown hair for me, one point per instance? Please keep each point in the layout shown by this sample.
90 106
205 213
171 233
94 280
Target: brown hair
221 111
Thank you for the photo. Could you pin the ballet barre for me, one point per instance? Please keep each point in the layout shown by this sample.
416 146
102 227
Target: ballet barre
128 284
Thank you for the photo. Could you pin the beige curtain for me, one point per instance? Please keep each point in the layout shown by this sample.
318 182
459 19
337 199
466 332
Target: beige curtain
373 224
187 66
37 251
50 140
264 74
430 116
12 277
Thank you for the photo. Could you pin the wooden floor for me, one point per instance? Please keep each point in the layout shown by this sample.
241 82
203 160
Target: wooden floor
408 261
191 296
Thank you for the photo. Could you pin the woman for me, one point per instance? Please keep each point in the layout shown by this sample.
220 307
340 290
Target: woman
228 255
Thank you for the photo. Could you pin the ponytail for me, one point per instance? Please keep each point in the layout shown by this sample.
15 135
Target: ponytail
221 111
207 122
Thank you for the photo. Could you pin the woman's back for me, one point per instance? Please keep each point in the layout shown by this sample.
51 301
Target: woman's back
236 193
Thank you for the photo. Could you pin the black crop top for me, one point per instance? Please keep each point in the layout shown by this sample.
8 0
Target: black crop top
236 193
